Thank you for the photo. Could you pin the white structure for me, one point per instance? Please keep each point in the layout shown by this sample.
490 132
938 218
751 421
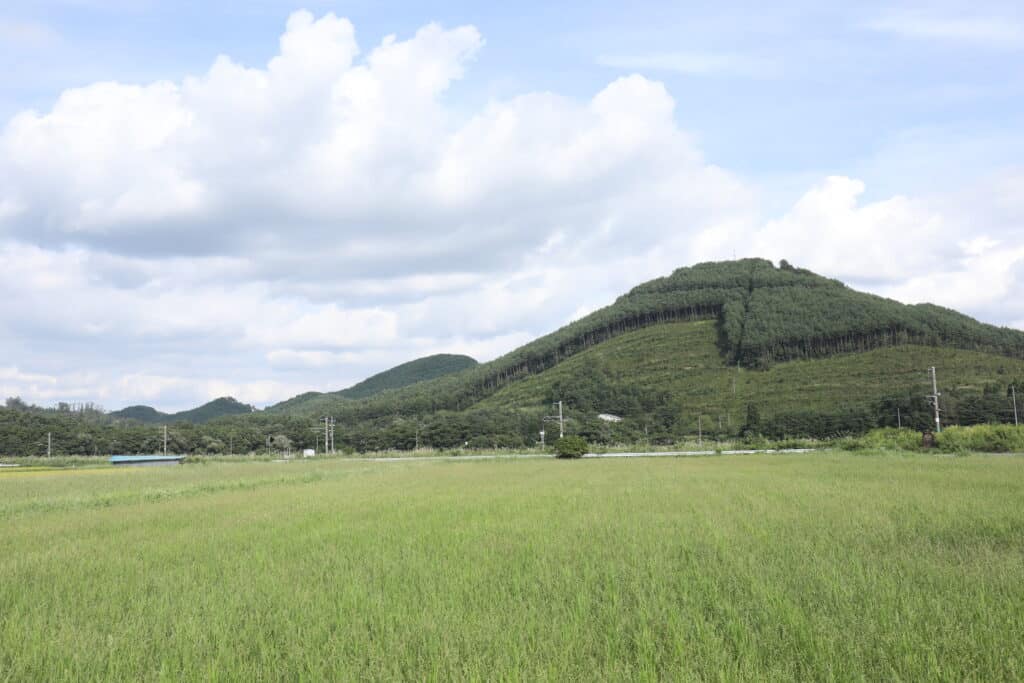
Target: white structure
308 453
608 417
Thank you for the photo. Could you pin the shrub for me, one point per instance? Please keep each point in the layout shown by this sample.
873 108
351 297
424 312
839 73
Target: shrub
985 438
849 443
791 443
570 447
891 438
754 442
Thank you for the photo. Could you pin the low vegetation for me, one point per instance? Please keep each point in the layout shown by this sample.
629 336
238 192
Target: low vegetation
985 438
570 447
817 566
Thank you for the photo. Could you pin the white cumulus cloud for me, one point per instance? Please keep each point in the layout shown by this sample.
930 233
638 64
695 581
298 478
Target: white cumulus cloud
298 225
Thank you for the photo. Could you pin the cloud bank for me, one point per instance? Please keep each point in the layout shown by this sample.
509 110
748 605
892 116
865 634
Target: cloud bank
266 231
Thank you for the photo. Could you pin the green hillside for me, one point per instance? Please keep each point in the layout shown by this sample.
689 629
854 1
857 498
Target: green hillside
419 370
676 371
758 316
217 408
406 374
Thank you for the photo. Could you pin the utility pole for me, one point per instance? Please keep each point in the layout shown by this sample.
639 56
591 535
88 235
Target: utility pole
935 401
700 430
1013 392
165 439
899 419
329 423
559 417
49 444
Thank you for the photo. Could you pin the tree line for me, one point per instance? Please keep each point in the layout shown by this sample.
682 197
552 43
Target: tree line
648 417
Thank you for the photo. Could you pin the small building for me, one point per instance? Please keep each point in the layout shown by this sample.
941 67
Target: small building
308 453
146 459
608 417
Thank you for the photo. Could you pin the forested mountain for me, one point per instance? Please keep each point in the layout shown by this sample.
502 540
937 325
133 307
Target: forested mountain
220 407
739 347
762 315
406 374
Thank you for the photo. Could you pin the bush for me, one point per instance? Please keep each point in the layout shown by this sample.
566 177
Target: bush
886 438
570 447
984 438
754 442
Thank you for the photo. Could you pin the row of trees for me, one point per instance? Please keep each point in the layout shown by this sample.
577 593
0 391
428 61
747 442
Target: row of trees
994 404
32 432
654 418
786 323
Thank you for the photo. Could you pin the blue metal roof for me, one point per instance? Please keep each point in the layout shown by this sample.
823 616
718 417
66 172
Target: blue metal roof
145 458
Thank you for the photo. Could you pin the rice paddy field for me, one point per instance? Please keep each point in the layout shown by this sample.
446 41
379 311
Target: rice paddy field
819 566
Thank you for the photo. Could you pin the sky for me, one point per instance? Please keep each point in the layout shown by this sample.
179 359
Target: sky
210 198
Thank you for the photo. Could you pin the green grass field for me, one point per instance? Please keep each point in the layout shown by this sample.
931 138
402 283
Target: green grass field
822 566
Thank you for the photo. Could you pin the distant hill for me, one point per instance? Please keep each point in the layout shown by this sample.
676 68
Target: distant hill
221 407
404 375
141 414
419 370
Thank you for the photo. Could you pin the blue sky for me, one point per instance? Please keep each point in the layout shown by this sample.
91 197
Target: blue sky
793 88
802 130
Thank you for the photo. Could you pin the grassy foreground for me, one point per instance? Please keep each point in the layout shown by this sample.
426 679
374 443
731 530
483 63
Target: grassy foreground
813 567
